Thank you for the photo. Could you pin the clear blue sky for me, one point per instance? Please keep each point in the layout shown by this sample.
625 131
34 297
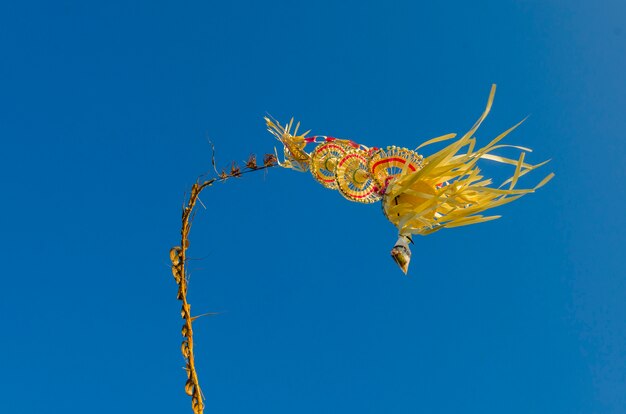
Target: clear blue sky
105 111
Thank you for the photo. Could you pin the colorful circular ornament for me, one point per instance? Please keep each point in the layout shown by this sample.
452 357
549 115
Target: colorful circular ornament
354 179
386 164
324 160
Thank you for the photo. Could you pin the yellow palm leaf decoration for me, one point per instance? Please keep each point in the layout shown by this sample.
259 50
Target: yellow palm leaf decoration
419 195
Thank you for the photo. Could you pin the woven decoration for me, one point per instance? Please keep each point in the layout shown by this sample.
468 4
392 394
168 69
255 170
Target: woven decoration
386 164
354 179
419 195
324 160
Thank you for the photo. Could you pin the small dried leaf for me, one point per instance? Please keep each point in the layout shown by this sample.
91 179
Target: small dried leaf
185 331
235 171
189 387
185 311
184 349
196 405
176 272
251 163
269 160
175 255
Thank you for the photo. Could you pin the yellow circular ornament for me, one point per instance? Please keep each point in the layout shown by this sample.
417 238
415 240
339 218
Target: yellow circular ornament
324 160
354 180
386 164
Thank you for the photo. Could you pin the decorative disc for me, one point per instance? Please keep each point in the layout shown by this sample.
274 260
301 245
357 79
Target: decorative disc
324 160
354 180
386 164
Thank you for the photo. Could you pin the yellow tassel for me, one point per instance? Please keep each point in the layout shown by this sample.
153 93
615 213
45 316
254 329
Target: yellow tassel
449 190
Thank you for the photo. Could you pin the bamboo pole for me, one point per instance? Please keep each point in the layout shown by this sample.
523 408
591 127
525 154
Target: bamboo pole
178 257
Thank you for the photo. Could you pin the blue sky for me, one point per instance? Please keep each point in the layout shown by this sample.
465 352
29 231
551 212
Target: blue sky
105 112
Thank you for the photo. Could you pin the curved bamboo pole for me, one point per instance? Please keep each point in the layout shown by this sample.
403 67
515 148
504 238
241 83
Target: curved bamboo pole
179 271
